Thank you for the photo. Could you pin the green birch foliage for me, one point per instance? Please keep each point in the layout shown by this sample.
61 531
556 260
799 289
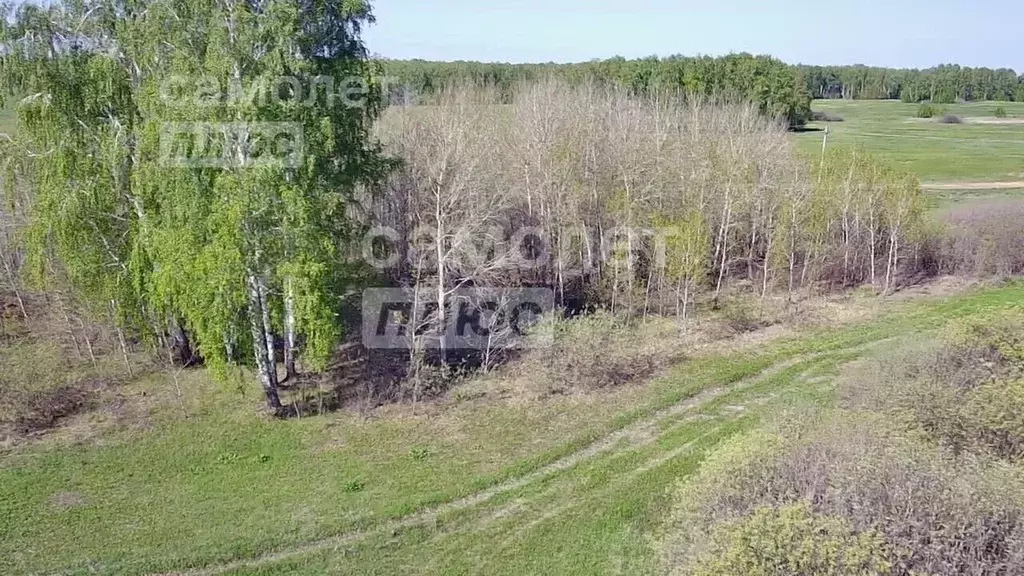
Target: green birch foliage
175 241
687 244
863 207
73 128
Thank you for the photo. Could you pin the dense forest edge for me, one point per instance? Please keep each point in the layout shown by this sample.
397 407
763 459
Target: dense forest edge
781 89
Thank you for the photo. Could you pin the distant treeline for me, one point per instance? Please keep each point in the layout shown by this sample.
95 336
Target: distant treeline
780 89
945 84
775 86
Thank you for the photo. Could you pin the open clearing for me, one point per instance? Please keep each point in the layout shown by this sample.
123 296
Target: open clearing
575 484
976 151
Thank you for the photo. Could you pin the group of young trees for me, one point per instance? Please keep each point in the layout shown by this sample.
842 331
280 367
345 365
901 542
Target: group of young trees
636 204
943 84
148 178
212 243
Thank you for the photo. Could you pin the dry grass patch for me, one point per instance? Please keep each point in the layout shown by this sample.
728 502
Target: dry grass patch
62 377
964 392
849 488
601 353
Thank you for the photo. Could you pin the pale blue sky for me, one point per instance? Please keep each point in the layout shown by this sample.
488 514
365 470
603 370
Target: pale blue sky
894 33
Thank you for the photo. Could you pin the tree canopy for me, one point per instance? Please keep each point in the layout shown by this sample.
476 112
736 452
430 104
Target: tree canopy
946 83
778 88
194 164
773 86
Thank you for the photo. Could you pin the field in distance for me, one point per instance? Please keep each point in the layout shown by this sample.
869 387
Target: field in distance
981 149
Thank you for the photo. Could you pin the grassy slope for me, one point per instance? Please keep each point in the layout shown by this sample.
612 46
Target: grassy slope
8 120
946 199
227 485
936 152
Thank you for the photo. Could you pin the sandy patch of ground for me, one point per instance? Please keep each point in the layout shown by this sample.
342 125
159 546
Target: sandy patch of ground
1012 185
993 120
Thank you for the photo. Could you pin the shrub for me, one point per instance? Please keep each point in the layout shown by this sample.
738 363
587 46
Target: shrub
824 116
989 340
742 315
964 393
1000 112
926 110
793 539
589 353
428 380
993 418
354 486
867 492
980 239
951 119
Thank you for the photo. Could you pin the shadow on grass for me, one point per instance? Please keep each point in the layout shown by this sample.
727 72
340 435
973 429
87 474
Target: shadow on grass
804 129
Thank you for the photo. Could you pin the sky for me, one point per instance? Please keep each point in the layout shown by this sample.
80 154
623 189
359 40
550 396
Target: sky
893 33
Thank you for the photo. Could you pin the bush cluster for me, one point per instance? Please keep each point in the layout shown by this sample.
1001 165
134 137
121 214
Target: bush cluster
969 394
793 539
979 239
926 110
917 473
853 493
825 116
590 352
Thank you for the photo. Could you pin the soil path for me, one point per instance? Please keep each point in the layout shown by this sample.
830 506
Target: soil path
1011 185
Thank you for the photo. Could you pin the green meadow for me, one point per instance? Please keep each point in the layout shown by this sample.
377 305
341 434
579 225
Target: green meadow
938 153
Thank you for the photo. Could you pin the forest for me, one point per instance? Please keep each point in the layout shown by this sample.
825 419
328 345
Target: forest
738 77
640 201
779 87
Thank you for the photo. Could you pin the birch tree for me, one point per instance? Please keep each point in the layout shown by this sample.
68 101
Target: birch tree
225 245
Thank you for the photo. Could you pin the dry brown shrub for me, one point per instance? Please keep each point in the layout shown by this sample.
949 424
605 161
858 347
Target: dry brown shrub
936 515
980 239
963 391
43 409
590 353
923 454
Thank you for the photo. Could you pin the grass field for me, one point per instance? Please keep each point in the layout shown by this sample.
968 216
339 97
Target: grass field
8 120
570 485
937 152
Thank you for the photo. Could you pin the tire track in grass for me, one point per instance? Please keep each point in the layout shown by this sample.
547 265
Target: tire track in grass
637 434
733 407
515 523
